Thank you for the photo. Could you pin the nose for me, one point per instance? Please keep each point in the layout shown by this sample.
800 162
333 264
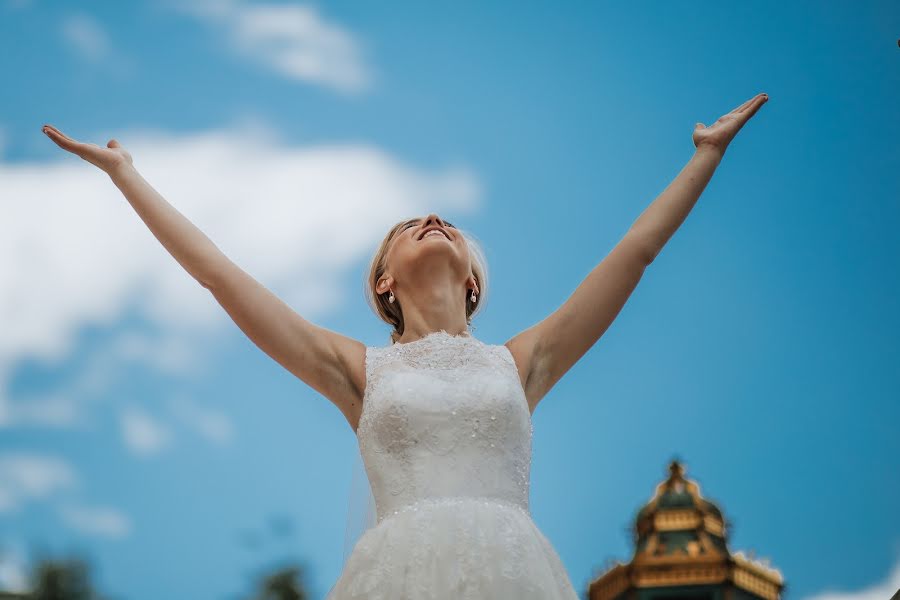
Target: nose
432 219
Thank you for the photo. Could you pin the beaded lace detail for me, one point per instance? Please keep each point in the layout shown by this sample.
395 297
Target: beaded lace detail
444 416
445 436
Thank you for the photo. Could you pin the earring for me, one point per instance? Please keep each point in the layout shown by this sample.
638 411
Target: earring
472 297
391 297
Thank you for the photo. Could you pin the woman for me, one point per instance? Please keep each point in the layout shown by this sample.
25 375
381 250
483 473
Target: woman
443 420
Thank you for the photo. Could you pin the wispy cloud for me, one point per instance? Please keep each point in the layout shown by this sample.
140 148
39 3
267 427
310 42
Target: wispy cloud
98 520
143 434
877 591
13 569
74 254
89 40
146 435
209 423
54 409
25 477
87 37
290 39
99 369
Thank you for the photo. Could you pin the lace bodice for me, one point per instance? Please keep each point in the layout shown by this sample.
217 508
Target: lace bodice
444 417
445 436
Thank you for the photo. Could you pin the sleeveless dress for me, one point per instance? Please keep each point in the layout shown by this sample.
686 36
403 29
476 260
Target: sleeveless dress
445 437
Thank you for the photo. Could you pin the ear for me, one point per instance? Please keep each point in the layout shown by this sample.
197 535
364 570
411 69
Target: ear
384 284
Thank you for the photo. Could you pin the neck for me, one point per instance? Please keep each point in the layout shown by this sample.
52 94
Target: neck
432 306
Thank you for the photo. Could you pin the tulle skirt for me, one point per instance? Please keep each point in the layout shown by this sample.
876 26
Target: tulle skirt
454 548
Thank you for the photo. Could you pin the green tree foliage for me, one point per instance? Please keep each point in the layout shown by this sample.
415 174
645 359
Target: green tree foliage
62 579
282 584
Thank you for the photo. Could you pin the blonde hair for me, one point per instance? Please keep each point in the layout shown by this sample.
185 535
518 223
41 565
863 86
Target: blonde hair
391 313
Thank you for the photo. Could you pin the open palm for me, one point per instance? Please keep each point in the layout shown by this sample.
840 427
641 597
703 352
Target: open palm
719 134
109 158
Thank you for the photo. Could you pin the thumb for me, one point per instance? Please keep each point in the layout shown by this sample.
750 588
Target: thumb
113 144
699 126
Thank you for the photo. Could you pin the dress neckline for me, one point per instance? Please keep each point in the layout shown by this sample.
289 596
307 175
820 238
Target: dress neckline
432 335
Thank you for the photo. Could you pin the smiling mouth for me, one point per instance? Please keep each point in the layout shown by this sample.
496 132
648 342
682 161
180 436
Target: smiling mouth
429 234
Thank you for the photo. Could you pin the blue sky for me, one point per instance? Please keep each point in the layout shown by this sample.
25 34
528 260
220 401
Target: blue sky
139 424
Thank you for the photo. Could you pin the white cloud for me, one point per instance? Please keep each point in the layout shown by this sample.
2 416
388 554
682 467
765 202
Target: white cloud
100 367
74 254
97 520
13 570
877 591
25 477
143 434
65 408
85 35
290 39
54 409
211 424
89 40
166 354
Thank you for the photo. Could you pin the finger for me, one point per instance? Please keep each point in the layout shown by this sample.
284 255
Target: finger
746 104
62 140
61 135
756 101
742 106
753 107
54 134
56 137
52 129
113 143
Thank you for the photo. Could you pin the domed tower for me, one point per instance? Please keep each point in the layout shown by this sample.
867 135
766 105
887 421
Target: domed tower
681 553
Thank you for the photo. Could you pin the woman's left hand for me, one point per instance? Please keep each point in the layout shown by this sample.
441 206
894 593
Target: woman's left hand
718 135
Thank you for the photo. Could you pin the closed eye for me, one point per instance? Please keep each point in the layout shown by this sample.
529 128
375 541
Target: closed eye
411 223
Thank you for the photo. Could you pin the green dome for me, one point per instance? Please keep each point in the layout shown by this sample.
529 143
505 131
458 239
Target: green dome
677 519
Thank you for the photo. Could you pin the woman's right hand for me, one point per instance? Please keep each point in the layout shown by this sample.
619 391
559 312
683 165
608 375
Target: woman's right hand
109 159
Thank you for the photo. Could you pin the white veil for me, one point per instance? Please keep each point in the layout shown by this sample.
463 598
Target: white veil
361 514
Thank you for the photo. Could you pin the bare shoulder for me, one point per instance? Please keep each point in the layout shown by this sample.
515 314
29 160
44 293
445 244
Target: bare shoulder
525 348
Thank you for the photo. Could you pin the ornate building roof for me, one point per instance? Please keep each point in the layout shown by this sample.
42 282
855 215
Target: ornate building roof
681 538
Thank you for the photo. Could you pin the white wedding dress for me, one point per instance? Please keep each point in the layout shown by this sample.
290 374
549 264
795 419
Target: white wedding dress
445 437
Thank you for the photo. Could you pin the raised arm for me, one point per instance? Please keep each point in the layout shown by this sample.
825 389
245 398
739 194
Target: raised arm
548 349
327 361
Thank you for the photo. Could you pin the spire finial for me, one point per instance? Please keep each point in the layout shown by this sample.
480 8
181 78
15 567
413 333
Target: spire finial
676 469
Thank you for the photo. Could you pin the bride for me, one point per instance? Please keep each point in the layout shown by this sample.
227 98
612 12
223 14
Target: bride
443 419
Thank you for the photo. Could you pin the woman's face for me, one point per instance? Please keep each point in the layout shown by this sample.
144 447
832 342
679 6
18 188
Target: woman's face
424 240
